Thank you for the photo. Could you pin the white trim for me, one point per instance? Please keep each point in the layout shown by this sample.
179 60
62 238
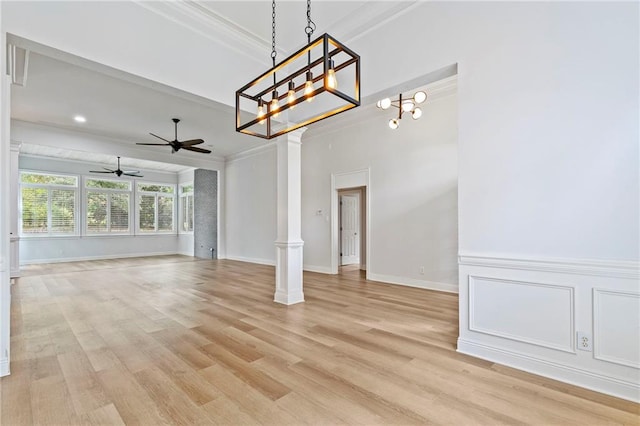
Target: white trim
101 257
597 267
247 153
553 370
4 367
412 282
318 269
259 261
569 345
356 178
597 350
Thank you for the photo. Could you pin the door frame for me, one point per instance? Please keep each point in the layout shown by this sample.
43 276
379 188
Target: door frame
350 180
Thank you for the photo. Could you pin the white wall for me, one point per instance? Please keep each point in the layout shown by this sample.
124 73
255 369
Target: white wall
250 206
84 247
413 176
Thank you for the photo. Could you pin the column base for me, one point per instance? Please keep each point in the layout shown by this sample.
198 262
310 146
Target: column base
288 298
289 272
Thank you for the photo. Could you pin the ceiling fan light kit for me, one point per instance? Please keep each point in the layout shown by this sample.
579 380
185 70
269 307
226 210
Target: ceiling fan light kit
311 74
118 172
177 145
408 105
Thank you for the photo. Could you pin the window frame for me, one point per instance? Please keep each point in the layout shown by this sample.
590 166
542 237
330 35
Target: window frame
108 191
183 196
77 210
140 193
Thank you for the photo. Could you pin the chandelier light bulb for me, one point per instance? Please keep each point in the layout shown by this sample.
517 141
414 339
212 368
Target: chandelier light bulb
291 95
394 123
261 111
308 87
417 113
385 103
275 107
407 105
332 80
420 97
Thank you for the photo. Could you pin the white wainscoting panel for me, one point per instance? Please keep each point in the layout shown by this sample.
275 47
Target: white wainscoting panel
526 313
535 313
616 327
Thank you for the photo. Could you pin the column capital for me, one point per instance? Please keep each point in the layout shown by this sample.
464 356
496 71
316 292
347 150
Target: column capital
296 135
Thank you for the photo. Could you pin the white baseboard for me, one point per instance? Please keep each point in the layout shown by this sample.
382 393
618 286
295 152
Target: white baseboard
4 367
252 260
411 282
101 257
564 373
319 269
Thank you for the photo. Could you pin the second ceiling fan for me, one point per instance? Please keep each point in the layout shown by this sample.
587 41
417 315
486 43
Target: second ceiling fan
177 145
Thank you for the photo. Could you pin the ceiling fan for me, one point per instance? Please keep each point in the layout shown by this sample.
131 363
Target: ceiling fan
118 172
176 145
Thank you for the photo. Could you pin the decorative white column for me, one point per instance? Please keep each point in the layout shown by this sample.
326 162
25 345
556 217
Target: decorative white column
289 240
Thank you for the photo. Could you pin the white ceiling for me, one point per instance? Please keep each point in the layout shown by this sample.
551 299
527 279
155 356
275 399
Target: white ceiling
127 107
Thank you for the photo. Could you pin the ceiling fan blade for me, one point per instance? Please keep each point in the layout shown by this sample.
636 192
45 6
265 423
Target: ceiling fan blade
110 171
132 174
158 144
99 171
131 171
159 137
196 149
192 142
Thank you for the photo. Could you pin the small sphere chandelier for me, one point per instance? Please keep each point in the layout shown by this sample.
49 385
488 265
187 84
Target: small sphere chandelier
408 105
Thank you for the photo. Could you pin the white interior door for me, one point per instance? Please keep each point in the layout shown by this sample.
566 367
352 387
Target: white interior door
350 229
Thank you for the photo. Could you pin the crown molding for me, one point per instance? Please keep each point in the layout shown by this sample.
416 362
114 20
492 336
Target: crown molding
250 152
369 17
211 25
214 26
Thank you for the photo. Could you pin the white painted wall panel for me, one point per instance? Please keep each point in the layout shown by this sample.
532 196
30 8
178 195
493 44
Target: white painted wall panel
250 207
534 313
616 325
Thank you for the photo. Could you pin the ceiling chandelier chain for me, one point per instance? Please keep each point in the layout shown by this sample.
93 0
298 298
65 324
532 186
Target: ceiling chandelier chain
273 32
311 26
329 57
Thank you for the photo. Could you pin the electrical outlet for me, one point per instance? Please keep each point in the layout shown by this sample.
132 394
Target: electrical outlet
422 270
584 341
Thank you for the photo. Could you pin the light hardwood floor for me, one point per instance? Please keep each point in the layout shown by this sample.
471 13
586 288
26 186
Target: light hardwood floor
175 340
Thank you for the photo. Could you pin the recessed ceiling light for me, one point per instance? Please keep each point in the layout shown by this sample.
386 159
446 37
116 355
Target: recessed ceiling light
80 119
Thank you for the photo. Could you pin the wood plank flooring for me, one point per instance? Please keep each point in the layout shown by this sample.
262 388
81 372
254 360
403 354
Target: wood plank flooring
177 340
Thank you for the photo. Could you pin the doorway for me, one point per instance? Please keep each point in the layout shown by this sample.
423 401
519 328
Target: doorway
349 184
351 226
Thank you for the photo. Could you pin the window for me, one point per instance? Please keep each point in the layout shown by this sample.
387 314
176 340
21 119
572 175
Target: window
107 206
48 204
155 207
186 207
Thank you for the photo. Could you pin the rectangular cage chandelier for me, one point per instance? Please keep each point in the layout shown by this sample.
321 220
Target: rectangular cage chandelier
320 80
